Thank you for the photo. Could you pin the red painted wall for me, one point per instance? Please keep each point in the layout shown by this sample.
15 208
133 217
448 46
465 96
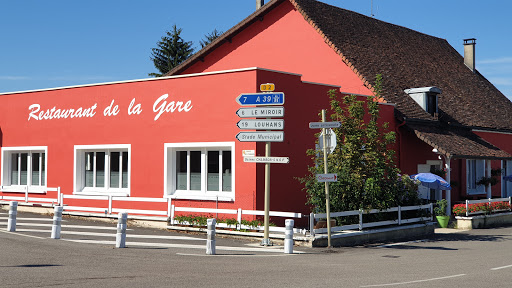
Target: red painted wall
270 44
211 119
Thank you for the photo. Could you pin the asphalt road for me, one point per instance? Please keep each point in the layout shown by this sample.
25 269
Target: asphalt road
86 257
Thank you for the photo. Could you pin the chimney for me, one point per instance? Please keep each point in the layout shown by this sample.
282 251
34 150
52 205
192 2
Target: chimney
259 3
469 53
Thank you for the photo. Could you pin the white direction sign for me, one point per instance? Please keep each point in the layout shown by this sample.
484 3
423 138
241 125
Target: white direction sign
327 177
262 136
316 125
263 159
261 112
261 124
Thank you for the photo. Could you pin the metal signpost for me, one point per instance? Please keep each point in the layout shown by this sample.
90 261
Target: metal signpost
262 99
326 178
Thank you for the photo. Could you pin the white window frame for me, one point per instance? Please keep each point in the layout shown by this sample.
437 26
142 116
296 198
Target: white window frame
471 178
506 186
6 169
170 171
79 170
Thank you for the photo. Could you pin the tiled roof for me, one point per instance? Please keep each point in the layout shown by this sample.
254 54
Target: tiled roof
410 59
457 142
406 59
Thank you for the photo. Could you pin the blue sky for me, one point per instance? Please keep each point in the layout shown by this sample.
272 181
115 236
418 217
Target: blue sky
54 43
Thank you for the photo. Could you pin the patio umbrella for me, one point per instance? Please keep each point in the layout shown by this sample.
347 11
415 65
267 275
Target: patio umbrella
432 181
508 178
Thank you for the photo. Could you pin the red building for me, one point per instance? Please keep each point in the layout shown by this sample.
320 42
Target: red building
174 137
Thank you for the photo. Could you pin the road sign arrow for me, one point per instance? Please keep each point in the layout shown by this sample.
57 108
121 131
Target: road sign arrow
261 124
260 99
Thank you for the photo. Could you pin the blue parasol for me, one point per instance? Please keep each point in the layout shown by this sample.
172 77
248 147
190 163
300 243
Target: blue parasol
432 181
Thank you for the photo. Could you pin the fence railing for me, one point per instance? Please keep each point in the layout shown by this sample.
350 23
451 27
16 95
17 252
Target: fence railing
30 199
488 202
399 220
108 208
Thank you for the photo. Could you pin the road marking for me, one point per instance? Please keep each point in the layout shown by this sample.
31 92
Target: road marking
401 243
416 281
22 234
232 255
502 267
67 226
31 219
185 246
129 236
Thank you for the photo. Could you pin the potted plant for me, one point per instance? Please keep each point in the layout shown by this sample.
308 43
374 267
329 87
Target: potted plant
440 211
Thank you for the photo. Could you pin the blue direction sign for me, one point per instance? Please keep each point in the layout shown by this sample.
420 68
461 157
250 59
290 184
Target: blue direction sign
257 99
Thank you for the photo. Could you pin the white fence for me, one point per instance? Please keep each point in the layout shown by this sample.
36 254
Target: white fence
361 225
34 200
489 202
171 210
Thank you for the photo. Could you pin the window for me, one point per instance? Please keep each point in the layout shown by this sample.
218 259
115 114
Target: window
432 104
199 170
102 169
24 167
475 170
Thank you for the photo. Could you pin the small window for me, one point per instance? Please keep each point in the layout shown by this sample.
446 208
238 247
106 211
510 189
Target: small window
102 169
432 104
24 167
475 170
200 170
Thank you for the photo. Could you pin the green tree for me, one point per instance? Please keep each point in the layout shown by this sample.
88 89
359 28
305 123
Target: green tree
171 51
368 177
208 38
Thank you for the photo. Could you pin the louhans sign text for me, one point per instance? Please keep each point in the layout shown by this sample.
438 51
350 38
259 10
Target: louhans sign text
160 106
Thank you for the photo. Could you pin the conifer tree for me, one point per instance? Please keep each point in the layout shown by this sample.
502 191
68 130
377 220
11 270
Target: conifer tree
210 37
171 51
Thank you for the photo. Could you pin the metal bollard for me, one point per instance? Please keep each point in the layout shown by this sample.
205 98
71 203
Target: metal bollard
57 219
121 230
288 236
13 211
210 241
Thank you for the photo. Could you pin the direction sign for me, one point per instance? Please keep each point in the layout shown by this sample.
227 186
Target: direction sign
330 141
263 159
259 99
327 177
316 125
261 112
261 124
261 136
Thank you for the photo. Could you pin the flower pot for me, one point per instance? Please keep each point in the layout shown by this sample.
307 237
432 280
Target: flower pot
443 221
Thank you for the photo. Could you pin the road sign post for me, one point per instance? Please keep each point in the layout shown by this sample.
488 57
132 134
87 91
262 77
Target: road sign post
326 178
268 98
